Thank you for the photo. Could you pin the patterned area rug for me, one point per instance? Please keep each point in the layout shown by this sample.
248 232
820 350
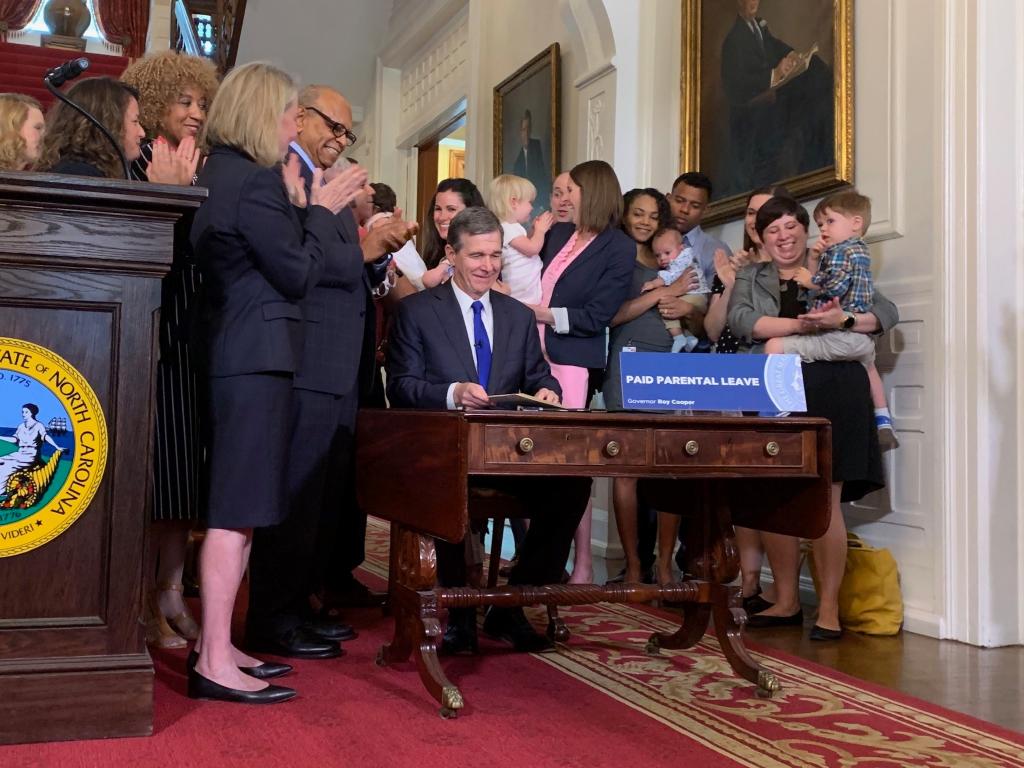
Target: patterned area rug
820 718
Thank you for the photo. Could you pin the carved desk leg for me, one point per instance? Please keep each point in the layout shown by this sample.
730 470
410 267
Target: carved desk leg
728 614
704 561
433 677
696 617
417 627
413 567
557 629
729 620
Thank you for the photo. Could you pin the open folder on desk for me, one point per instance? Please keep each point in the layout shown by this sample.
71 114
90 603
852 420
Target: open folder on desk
525 401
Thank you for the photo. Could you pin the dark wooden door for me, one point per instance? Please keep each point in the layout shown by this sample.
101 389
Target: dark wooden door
426 181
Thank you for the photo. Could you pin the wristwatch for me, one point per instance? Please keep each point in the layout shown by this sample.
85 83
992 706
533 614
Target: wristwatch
849 321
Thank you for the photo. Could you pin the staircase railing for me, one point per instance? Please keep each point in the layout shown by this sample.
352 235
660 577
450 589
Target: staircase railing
230 15
227 17
186 32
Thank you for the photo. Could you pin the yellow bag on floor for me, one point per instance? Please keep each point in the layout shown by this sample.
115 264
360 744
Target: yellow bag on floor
870 600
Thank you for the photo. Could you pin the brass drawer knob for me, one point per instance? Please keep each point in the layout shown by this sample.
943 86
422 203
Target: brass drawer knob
772 449
613 448
526 445
692 447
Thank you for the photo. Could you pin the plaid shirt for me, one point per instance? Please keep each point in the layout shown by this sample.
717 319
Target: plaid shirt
844 272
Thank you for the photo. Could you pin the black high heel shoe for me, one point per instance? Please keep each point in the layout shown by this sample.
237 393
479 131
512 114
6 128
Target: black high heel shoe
200 687
264 671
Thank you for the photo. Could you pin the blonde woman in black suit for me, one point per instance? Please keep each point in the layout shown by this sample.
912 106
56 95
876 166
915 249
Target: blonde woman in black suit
258 260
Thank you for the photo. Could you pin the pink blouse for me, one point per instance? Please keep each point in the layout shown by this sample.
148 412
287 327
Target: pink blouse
572 378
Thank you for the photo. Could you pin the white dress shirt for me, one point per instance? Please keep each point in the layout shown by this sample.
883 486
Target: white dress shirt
466 305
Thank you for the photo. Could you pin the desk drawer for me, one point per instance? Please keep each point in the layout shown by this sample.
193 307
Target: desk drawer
562 446
725 448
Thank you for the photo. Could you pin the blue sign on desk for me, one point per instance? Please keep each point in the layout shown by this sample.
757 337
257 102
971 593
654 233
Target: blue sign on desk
764 383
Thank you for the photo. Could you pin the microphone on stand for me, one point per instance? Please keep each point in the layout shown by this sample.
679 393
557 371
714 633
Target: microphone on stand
69 70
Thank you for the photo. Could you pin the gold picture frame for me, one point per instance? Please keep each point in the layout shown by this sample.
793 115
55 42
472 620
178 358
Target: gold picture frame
719 136
530 100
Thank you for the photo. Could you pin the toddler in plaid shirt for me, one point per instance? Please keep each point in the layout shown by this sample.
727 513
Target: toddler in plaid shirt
844 273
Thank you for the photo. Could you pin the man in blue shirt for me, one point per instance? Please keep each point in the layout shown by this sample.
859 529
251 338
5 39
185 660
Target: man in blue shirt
688 200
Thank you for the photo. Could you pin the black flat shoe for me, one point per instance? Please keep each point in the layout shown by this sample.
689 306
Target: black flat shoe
295 643
459 641
761 621
511 624
755 604
200 687
460 638
264 671
820 633
327 629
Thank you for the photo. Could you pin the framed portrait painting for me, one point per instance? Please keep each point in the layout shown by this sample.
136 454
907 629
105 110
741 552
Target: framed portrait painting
527 124
767 97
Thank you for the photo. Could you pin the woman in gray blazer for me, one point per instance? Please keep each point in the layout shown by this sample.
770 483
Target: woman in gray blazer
765 304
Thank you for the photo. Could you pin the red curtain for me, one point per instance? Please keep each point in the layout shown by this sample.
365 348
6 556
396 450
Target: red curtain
16 14
124 22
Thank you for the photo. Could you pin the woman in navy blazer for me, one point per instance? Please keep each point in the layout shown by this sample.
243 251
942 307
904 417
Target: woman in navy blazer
588 270
258 260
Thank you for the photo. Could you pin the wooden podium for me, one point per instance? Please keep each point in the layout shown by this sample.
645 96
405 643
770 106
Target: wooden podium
80 267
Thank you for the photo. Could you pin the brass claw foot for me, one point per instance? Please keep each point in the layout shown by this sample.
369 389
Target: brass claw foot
767 684
451 700
653 647
558 631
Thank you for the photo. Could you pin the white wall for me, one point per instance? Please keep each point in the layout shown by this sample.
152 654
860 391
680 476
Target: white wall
321 41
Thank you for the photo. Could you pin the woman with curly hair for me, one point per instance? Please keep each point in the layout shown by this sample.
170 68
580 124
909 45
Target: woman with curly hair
75 146
21 131
175 91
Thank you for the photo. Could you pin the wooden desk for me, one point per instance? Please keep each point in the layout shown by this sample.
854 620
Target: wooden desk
413 468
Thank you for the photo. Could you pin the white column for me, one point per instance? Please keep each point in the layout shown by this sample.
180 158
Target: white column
983 334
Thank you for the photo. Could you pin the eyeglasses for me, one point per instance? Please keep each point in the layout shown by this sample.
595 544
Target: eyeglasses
337 128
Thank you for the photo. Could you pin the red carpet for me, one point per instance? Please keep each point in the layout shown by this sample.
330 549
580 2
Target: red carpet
519 710
598 702
22 68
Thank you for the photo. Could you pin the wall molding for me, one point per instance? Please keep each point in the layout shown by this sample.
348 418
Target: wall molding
412 27
435 79
981 402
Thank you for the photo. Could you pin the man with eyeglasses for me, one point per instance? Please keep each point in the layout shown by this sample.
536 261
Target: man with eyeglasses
321 542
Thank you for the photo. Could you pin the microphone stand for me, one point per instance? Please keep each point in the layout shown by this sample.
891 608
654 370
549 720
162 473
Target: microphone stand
115 144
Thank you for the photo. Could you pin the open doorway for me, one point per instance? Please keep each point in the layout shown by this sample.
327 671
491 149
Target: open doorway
441 157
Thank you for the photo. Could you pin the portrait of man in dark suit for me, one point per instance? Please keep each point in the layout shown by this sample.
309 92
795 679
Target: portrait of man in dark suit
530 162
526 136
769 91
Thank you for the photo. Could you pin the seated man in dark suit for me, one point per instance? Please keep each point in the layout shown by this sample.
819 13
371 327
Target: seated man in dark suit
441 356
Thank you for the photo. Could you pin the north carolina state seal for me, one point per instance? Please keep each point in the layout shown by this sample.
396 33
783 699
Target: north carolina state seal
53 445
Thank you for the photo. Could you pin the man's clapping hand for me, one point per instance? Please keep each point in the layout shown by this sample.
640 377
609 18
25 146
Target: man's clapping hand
341 190
388 236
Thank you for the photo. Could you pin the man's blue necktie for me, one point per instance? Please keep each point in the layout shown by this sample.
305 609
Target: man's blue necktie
482 344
